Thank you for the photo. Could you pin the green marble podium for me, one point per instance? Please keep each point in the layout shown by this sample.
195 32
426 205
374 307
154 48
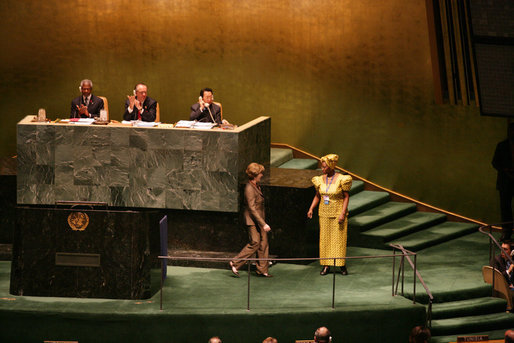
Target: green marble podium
132 167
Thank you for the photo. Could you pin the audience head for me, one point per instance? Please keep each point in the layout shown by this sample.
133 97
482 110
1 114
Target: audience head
509 336
322 335
254 170
214 339
140 91
506 249
270 340
329 162
207 95
86 86
419 334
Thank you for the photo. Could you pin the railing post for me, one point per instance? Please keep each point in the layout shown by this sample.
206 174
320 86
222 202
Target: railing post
162 277
403 270
414 287
334 285
429 314
248 262
394 267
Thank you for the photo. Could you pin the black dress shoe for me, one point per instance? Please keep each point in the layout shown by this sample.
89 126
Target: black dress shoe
325 270
344 271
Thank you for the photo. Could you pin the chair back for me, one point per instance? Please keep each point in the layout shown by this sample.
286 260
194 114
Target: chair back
157 114
106 105
221 108
501 288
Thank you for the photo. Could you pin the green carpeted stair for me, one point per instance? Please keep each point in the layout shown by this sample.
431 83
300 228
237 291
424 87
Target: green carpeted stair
280 156
366 200
381 214
481 322
468 317
357 186
283 158
435 234
405 225
464 317
493 334
462 308
300 163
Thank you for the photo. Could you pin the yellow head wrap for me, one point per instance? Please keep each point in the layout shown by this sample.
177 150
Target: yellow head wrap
330 160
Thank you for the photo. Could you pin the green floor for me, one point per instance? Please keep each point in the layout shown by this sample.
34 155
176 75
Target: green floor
199 303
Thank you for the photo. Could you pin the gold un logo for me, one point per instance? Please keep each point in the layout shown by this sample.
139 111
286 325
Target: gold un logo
78 221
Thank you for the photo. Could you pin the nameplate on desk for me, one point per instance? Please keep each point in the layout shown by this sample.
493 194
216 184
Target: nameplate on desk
477 338
77 259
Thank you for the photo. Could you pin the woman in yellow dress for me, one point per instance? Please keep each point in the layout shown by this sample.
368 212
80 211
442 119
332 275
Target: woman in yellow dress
332 196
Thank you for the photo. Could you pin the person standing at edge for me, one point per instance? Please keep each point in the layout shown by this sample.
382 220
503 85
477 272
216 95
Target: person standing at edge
503 163
257 227
332 195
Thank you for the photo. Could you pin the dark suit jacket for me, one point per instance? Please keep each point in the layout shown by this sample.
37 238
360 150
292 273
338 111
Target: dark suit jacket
149 107
254 206
204 116
499 263
95 105
503 159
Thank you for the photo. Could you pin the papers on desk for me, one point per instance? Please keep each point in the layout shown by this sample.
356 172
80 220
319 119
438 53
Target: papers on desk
83 121
203 126
193 124
139 123
145 124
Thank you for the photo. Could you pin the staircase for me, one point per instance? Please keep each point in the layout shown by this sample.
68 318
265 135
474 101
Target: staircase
375 221
477 316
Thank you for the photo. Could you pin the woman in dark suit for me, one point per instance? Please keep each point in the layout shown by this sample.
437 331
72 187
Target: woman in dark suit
257 227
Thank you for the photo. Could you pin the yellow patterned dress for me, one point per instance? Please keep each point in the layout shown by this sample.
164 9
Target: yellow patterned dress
332 234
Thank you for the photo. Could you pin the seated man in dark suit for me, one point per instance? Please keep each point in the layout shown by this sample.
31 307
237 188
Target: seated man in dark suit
87 105
205 110
502 263
140 106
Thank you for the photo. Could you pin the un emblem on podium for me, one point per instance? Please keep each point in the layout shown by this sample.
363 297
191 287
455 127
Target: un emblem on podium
78 221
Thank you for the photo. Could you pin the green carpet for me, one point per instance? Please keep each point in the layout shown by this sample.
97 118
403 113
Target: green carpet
199 303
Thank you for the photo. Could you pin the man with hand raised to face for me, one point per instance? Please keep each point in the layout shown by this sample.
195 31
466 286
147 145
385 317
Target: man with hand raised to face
206 110
140 106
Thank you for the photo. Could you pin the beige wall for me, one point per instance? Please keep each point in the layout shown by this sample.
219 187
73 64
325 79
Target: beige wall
350 77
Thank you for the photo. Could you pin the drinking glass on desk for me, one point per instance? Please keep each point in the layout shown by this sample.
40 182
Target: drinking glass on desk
103 115
41 114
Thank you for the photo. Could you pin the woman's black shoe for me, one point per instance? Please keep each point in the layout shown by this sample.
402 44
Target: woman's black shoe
344 271
325 270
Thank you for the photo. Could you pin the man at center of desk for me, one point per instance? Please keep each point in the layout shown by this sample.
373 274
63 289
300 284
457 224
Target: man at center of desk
206 110
140 106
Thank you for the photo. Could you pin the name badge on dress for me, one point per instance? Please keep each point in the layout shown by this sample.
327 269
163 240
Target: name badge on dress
325 199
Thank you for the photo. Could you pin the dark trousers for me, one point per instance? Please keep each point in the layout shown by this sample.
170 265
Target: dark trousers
258 243
506 212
